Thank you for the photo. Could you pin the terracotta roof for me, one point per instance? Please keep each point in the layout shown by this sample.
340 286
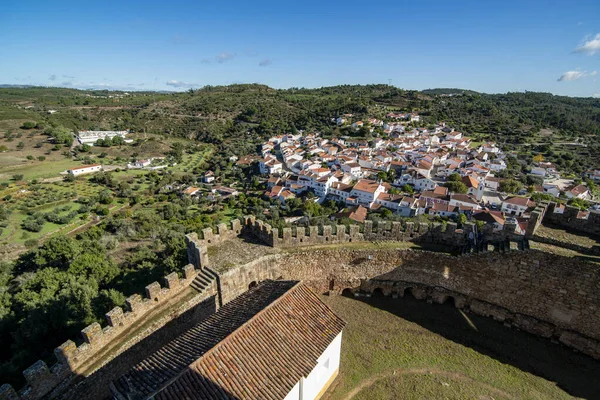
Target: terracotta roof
470 182
365 185
517 200
258 346
357 213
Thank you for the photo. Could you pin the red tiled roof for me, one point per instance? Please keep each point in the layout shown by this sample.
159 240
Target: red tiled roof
256 347
368 186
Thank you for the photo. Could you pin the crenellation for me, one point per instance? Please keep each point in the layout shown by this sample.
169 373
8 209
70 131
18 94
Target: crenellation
7 392
368 228
134 303
341 233
327 233
208 235
568 219
66 353
115 317
172 281
153 291
189 272
92 334
36 374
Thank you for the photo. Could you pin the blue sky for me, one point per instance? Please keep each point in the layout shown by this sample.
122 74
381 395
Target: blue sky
490 46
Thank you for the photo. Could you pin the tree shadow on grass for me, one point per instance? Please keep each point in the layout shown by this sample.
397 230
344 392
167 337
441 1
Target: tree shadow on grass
575 373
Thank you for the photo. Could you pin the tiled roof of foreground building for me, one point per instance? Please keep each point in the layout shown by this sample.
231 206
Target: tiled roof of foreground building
258 346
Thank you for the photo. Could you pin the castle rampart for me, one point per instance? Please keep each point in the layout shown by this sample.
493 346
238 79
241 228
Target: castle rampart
548 295
568 219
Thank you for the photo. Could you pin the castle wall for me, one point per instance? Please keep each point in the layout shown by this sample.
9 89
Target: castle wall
545 294
569 220
541 293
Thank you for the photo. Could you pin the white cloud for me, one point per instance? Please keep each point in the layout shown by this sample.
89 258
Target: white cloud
179 84
575 75
265 62
590 45
224 57
596 95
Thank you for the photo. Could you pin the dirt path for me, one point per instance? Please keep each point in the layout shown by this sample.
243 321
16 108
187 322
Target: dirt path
425 371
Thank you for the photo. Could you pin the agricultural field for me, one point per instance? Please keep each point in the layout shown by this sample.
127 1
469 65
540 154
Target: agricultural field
409 349
38 202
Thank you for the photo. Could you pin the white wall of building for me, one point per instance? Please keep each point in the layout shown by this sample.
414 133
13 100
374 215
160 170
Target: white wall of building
327 366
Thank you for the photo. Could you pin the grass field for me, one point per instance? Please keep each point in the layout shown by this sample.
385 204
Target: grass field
409 349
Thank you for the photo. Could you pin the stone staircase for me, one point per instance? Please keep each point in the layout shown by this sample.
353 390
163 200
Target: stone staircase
203 280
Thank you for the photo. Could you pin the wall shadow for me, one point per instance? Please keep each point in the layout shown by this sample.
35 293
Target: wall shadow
575 373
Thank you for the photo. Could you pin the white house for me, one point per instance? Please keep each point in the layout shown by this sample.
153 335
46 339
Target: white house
578 192
416 179
208 177
539 171
85 169
366 191
516 205
353 169
270 165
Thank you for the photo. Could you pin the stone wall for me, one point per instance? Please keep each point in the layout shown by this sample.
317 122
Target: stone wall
435 233
568 220
541 293
71 358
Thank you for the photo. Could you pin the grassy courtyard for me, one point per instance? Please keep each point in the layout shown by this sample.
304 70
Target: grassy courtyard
408 349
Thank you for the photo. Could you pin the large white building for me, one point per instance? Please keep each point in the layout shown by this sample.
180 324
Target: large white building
91 137
85 169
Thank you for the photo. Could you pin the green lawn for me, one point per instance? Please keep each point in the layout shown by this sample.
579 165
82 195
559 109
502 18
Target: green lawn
36 169
409 349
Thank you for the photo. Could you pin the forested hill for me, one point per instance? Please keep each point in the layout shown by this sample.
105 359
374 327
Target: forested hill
216 113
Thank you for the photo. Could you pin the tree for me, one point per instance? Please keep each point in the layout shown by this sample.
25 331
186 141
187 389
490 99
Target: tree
454 177
59 251
96 266
538 158
510 186
456 187
118 141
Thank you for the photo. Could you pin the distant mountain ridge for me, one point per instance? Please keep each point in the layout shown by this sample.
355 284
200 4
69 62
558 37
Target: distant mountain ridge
447 91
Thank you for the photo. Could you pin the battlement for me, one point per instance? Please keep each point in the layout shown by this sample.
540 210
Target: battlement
569 219
369 231
41 379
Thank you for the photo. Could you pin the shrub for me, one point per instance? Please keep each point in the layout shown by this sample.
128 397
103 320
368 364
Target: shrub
28 125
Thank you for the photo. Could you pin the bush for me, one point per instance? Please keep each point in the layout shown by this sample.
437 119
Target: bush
17 177
31 243
28 125
41 158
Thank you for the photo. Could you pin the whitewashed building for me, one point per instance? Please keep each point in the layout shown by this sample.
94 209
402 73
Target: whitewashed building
85 169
